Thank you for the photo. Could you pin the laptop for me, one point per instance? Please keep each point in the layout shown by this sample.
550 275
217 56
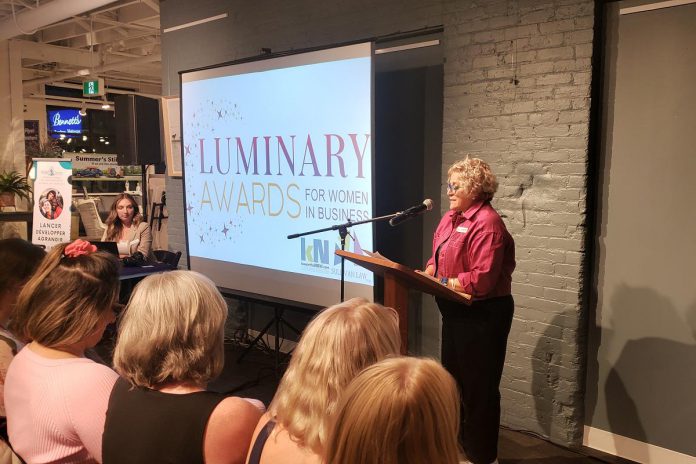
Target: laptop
109 247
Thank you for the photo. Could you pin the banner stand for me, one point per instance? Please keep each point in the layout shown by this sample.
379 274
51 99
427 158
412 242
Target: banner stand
52 201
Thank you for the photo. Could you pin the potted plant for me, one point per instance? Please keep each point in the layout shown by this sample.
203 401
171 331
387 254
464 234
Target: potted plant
42 149
13 184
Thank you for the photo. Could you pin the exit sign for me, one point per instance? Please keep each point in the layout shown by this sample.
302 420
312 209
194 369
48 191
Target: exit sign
93 88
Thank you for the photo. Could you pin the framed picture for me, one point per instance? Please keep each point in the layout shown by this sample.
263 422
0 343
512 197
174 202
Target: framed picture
171 118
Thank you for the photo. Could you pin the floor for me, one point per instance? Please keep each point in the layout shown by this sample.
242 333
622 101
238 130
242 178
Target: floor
256 375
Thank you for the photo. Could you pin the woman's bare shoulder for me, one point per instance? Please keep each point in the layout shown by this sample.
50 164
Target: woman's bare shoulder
229 431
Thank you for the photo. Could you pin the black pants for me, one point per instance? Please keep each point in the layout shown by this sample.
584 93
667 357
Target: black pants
474 341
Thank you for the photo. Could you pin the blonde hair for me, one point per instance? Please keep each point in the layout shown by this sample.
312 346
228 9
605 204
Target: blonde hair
113 222
398 411
337 344
64 300
478 181
172 331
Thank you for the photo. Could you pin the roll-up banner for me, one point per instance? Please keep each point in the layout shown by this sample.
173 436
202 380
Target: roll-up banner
52 200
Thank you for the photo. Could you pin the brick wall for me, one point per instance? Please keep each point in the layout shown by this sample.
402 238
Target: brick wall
517 93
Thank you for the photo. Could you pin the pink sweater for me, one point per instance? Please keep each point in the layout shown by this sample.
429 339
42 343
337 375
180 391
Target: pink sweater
56 407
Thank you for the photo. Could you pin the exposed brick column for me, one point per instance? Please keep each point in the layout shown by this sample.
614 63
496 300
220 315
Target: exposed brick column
517 94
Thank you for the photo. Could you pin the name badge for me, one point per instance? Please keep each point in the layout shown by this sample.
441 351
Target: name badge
462 229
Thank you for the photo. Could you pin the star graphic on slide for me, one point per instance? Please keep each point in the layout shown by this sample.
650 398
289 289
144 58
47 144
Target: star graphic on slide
225 230
188 149
219 113
201 236
189 208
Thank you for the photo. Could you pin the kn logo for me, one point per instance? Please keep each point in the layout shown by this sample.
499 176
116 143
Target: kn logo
314 251
317 252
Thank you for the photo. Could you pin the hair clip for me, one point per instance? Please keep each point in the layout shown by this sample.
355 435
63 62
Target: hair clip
78 248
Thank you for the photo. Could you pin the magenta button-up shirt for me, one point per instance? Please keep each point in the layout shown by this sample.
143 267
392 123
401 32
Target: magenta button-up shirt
476 248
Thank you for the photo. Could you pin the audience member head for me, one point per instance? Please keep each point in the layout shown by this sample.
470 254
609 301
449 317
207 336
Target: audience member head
123 209
397 411
337 344
19 260
69 300
172 331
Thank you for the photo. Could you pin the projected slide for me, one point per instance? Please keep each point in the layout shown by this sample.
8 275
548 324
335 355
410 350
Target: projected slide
276 147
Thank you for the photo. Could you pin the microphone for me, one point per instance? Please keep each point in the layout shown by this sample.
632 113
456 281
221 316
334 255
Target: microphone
405 215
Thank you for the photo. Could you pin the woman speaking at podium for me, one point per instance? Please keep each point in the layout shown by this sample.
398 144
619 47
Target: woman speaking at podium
126 227
474 253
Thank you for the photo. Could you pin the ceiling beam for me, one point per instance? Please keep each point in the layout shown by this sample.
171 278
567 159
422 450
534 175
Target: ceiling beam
98 27
116 91
109 67
45 52
78 58
28 20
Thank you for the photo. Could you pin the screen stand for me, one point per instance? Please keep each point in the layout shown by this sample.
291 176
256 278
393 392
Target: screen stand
278 321
342 232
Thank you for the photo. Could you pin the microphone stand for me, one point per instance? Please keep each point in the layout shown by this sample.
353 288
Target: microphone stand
343 232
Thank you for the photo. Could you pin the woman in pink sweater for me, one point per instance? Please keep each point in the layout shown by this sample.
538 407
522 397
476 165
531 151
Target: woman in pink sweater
56 398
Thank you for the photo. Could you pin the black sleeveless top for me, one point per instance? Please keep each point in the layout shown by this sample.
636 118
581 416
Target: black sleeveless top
148 426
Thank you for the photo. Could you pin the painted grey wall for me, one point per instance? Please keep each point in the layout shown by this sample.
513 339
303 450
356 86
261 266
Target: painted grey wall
642 366
516 93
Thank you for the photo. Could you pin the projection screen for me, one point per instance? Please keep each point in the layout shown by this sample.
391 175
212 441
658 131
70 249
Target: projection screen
275 147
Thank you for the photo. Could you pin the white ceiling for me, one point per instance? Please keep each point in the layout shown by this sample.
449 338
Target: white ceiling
118 41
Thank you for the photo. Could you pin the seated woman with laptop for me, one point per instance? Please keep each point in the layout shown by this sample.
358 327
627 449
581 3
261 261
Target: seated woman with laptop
126 227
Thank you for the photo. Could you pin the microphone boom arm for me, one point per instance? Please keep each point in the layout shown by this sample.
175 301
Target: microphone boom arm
344 225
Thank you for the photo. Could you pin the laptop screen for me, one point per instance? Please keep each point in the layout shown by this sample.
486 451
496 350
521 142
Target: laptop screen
109 247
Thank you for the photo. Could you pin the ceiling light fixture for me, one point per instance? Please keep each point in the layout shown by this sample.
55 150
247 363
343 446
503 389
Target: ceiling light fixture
83 110
105 104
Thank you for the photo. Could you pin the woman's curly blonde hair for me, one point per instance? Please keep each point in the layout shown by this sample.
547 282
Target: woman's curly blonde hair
478 181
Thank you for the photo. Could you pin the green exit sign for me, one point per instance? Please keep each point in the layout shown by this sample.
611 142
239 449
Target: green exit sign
93 88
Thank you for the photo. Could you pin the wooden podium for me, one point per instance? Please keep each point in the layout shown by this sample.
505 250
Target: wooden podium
398 279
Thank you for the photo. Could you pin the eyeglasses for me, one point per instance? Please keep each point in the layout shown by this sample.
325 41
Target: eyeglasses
453 187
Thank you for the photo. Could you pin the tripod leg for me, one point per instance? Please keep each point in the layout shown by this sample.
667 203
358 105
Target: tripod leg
253 343
278 319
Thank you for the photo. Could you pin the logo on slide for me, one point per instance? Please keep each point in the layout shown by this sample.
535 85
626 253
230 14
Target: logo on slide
316 252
